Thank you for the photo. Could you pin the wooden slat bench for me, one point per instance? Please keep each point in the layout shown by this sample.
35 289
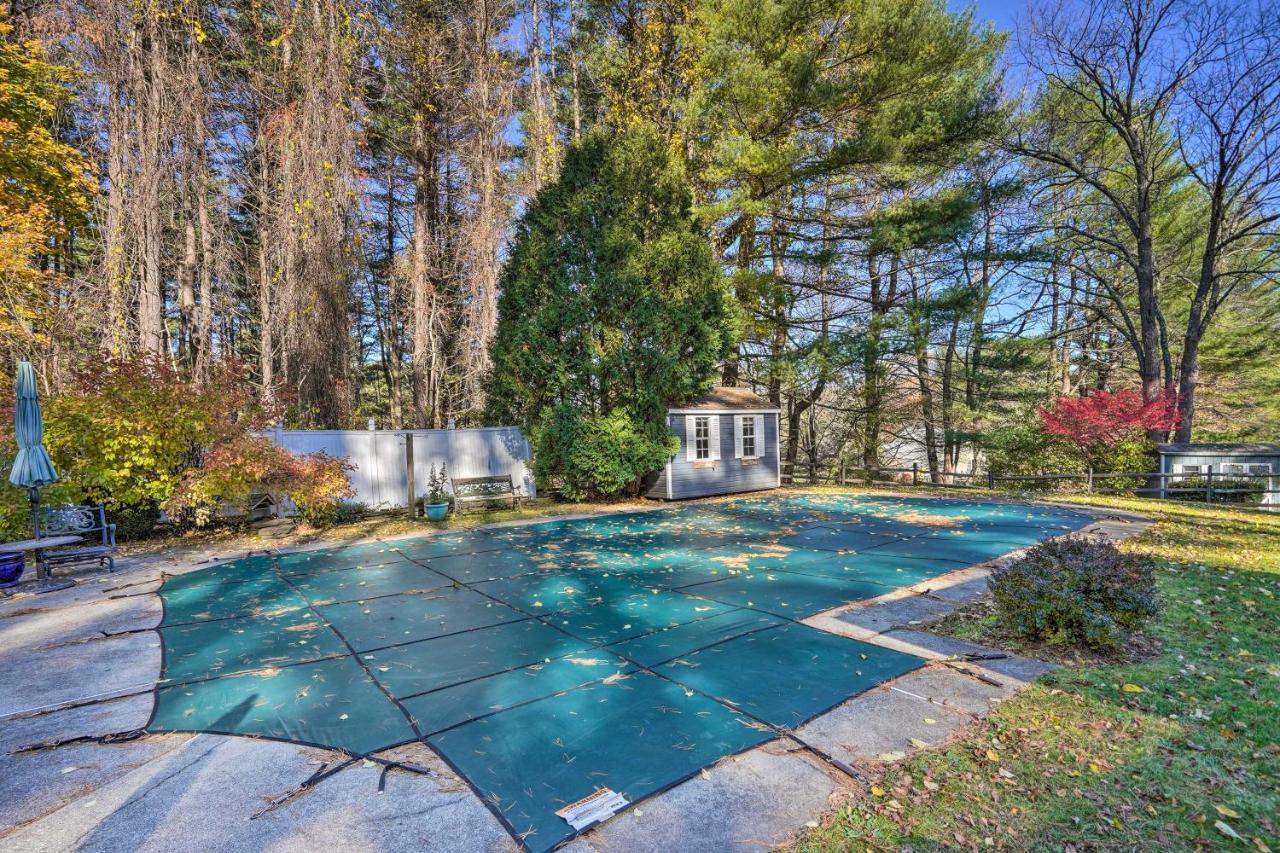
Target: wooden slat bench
468 491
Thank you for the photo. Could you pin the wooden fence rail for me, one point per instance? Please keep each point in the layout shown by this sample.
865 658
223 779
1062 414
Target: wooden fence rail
1210 486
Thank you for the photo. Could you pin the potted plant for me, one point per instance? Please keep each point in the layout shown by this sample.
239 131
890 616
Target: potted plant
11 565
435 503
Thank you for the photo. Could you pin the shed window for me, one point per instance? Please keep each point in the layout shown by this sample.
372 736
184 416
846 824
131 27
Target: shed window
702 437
748 436
1188 471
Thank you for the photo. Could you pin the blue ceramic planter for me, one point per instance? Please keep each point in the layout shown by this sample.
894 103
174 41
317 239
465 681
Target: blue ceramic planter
436 512
11 565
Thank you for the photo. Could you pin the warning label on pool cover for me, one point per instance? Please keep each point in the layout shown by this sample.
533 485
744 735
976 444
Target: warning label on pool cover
601 805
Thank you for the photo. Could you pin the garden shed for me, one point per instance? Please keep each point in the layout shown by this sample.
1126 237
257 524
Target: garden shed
728 443
1258 463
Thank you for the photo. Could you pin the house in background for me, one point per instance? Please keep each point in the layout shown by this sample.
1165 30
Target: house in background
728 443
1260 463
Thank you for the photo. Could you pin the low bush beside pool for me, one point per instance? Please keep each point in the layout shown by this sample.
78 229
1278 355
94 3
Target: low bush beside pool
1076 591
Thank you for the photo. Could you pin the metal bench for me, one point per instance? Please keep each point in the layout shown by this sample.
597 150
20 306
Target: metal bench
87 522
484 491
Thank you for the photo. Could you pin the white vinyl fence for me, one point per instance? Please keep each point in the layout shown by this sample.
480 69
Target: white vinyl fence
382 458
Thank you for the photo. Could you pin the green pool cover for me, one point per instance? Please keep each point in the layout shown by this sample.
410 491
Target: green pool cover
549 660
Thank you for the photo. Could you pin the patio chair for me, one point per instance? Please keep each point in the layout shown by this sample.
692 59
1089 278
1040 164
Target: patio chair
87 522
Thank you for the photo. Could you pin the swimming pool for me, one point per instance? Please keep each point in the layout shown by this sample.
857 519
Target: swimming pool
546 661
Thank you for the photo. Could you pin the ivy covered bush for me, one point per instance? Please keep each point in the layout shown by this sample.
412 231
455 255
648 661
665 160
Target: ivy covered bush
1076 591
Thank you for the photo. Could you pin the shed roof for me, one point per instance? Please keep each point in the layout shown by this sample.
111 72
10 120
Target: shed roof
722 397
1219 449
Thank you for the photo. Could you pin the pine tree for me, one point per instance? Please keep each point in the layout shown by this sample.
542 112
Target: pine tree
613 308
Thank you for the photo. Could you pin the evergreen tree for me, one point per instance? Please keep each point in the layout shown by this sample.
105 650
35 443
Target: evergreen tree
613 308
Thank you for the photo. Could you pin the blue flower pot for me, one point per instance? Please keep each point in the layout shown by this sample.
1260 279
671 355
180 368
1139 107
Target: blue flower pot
12 564
436 512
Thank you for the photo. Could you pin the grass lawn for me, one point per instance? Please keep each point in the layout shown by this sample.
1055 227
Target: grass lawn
1176 745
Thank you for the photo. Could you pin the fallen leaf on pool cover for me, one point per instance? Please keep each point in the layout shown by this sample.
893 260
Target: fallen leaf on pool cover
930 520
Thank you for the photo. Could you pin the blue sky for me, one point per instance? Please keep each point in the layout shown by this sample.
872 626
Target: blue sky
1003 13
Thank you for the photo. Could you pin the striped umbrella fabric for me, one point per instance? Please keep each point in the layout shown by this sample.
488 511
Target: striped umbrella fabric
32 467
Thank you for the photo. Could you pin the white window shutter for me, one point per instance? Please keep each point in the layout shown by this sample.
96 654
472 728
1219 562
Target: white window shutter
737 436
690 439
760 448
715 437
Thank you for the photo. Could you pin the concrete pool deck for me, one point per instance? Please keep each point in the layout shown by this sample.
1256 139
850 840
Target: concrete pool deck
78 667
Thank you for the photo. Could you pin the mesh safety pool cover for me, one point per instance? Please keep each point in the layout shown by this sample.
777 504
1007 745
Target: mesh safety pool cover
788 594
788 674
636 735
548 660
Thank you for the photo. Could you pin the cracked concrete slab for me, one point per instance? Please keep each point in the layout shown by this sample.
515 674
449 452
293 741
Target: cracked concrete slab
37 784
754 801
946 688
86 621
210 793
958 590
916 609
96 720
882 721
1016 668
71 673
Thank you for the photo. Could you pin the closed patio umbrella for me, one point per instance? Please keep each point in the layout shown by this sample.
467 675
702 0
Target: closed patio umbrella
32 468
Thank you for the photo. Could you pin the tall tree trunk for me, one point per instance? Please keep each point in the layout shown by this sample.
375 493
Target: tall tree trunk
187 287
924 380
1197 321
873 390
150 139
204 309
778 297
266 328
979 317
423 289
951 444
116 339
1148 307
731 373
574 59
